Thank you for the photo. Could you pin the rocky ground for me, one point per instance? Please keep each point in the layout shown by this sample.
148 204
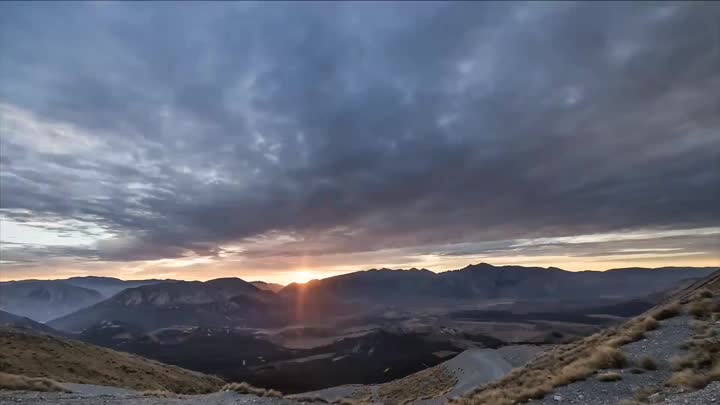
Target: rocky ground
661 345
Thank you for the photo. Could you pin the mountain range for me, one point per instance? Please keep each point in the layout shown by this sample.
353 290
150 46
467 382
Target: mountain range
43 300
232 302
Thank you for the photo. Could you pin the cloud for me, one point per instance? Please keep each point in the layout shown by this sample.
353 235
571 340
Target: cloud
182 128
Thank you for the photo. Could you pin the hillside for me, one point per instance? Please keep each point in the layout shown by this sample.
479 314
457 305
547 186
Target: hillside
219 302
20 322
669 354
109 286
43 300
668 351
69 361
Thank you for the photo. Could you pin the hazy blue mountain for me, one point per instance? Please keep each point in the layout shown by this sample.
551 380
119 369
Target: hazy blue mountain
42 300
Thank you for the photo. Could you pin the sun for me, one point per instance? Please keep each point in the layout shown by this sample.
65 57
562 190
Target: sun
303 276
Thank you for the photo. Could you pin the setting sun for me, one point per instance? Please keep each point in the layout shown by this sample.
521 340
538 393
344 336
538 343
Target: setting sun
303 276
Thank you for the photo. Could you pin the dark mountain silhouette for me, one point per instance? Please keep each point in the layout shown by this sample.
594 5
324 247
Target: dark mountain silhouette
267 286
481 282
232 302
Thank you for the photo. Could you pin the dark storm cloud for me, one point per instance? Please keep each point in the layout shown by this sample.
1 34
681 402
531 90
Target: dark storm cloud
359 126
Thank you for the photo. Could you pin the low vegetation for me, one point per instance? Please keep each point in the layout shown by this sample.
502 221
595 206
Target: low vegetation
160 394
701 364
666 312
49 357
245 388
579 360
701 308
426 384
24 383
648 363
609 376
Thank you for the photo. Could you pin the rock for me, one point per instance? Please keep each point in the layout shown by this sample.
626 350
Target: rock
557 398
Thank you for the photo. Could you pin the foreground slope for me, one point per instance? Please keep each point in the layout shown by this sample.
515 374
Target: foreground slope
38 355
20 322
663 354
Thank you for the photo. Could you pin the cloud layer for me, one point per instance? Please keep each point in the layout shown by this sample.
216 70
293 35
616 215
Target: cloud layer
142 132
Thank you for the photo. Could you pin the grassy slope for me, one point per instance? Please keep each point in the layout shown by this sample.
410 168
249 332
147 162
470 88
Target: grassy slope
567 363
64 360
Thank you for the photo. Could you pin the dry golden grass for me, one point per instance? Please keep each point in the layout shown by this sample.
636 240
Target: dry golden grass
704 293
666 312
609 376
23 383
701 308
245 388
160 394
578 360
701 364
688 378
66 360
648 363
426 384
699 326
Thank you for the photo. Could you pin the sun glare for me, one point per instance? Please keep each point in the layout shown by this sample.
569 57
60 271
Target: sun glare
303 276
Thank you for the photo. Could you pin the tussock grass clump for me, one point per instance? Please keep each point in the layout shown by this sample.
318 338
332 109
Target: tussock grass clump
634 331
648 363
22 383
704 293
688 378
699 326
609 376
701 308
668 311
245 388
607 357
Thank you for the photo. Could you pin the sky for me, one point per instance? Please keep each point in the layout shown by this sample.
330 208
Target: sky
290 141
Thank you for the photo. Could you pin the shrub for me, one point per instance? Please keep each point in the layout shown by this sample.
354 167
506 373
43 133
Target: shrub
609 377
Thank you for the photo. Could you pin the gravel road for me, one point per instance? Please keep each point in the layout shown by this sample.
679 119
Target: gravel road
94 395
